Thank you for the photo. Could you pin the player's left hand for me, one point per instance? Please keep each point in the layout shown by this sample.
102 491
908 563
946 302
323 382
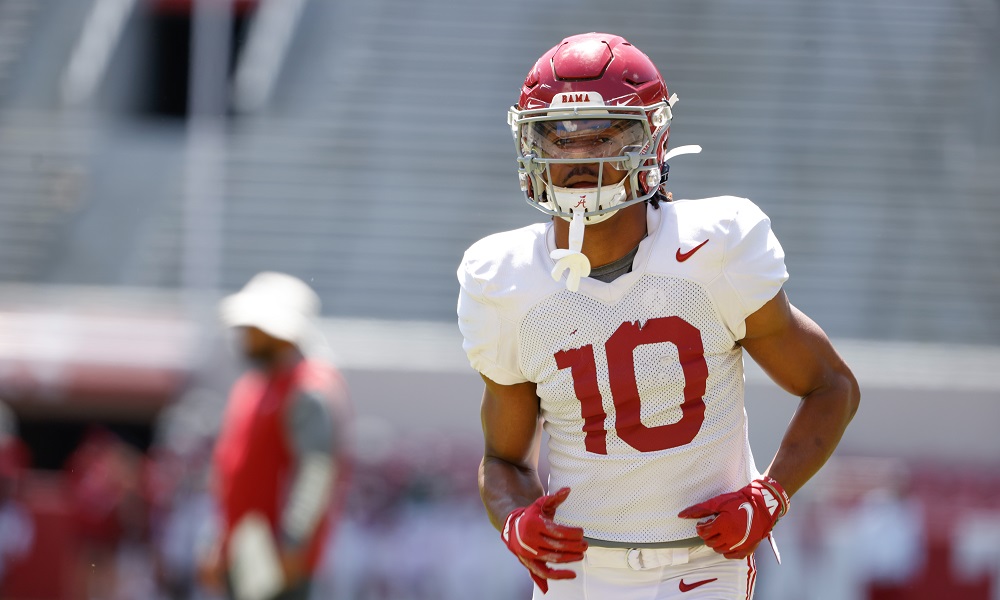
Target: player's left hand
210 571
734 524
294 566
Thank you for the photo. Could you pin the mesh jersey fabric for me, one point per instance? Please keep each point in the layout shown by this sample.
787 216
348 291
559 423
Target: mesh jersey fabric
640 379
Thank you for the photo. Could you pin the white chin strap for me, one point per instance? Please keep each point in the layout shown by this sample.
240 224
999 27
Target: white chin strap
572 260
580 201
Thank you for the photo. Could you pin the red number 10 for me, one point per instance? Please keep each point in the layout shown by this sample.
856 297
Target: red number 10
625 391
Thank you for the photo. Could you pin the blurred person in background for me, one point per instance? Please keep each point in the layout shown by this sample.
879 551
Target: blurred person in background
17 527
106 478
635 362
280 459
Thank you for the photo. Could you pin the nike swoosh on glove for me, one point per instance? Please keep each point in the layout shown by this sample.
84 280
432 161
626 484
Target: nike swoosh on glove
535 539
734 524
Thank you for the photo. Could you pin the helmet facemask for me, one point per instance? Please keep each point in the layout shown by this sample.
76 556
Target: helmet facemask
588 156
598 85
582 160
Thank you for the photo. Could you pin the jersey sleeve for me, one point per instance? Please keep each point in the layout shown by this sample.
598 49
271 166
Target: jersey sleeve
753 268
490 341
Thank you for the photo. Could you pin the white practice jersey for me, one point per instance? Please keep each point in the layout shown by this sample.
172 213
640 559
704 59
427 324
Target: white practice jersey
640 379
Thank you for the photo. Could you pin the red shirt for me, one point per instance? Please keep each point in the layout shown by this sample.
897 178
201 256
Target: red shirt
255 458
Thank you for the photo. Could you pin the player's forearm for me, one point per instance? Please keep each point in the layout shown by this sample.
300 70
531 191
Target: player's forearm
814 432
314 442
505 486
308 499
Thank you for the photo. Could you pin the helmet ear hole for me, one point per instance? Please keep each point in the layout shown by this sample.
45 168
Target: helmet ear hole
650 181
654 179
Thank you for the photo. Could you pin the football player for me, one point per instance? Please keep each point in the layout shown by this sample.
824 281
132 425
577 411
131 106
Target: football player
619 326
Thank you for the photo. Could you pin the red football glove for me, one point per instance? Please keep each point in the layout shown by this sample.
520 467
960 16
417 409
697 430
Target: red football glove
535 539
737 522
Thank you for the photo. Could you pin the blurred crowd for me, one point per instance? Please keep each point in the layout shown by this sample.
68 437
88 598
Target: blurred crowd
122 522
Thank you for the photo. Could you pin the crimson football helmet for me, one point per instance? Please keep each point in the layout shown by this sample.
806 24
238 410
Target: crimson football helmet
591 128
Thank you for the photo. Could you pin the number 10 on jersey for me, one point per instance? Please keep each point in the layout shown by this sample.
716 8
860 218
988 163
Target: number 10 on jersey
625 389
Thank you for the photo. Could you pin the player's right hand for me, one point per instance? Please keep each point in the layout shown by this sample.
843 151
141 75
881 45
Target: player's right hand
535 539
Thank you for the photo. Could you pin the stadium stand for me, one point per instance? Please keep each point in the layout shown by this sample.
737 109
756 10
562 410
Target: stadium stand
867 131
855 127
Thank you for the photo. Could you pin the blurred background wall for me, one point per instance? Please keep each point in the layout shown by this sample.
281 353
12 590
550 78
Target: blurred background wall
151 161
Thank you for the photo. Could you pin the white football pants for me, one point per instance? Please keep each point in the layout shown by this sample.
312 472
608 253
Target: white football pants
654 574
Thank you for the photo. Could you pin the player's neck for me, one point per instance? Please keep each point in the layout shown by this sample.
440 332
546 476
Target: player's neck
607 241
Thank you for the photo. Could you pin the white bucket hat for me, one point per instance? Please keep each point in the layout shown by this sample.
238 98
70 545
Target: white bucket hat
280 305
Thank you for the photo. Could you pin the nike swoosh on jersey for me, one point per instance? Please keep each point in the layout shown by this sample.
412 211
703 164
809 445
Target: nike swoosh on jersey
683 256
687 587
749 508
